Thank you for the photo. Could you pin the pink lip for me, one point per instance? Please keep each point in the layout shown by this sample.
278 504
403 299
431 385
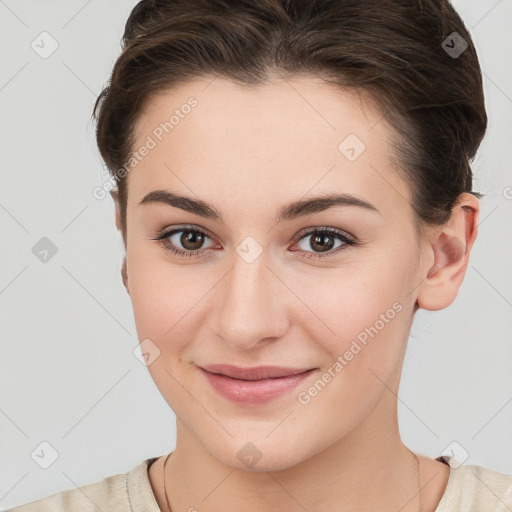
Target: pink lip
256 385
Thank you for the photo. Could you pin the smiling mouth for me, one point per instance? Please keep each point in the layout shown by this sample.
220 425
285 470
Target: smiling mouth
255 386
254 373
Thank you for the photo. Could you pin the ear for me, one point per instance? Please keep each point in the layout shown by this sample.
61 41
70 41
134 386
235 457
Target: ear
449 248
124 274
115 196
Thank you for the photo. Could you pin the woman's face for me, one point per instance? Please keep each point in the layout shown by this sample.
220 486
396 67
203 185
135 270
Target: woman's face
263 288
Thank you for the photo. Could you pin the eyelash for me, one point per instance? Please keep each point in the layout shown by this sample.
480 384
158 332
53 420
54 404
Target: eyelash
162 238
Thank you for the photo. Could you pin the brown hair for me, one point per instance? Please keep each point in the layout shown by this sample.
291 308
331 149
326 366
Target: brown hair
401 52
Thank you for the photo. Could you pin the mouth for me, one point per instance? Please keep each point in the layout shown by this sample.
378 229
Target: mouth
257 385
255 373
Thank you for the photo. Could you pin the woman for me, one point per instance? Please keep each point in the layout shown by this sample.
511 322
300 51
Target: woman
293 183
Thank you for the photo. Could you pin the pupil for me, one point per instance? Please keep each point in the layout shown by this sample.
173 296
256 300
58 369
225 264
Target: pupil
191 237
318 239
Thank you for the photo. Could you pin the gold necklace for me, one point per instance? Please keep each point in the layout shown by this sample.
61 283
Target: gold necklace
417 467
165 486
419 480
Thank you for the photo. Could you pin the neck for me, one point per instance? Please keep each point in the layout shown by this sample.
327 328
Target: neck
368 469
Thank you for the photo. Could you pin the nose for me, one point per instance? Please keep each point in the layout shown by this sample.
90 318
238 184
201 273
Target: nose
251 306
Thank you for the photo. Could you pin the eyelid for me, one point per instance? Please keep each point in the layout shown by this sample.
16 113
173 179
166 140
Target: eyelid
314 229
165 232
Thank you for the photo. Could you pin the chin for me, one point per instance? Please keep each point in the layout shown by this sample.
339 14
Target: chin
254 457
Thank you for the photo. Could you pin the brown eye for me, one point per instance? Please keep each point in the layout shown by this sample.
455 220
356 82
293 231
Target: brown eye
324 241
184 241
192 240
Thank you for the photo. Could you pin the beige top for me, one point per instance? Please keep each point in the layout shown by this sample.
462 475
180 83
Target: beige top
469 489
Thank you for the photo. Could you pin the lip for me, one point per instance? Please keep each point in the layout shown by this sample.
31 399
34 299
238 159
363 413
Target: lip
257 385
254 373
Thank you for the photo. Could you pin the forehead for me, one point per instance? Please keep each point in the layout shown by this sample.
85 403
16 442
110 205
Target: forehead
273 142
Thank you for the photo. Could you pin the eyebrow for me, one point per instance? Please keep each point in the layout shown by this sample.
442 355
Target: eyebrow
288 212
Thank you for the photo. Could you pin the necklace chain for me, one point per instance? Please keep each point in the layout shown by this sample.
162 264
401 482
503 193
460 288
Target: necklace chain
419 480
165 486
415 456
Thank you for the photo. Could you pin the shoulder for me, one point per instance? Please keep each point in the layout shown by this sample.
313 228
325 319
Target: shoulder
128 492
475 488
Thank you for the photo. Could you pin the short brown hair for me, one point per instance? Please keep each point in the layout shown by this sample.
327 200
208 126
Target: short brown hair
395 50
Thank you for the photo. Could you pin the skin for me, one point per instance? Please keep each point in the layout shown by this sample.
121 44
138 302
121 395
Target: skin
248 152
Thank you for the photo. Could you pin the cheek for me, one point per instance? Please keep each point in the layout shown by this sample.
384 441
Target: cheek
162 295
171 304
361 329
364 352
342 305
165 300
362 315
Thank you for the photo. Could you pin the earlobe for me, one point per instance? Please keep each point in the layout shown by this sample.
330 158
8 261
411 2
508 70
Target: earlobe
450 247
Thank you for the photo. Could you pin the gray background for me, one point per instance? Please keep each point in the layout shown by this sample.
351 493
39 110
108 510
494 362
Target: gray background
68 373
